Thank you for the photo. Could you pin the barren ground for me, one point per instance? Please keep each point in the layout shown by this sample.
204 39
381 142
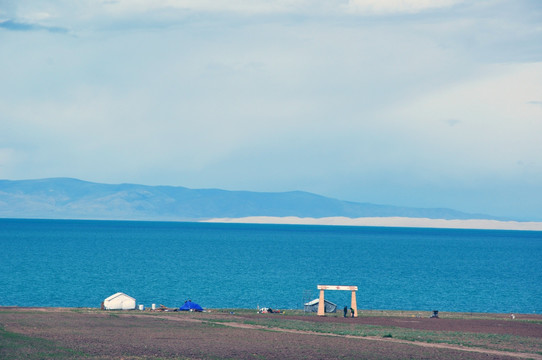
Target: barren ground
37 333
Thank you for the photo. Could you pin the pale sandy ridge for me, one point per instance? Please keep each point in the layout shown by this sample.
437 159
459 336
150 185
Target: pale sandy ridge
387 222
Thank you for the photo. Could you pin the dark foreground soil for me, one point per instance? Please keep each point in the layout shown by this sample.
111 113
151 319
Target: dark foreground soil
89 333
493 326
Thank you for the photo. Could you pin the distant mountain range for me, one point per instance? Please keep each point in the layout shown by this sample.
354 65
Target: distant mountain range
65 198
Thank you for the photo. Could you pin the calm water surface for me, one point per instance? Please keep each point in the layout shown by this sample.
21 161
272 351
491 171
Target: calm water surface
80 263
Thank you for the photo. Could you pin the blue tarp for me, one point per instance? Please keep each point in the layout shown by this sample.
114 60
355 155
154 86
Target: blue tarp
189 305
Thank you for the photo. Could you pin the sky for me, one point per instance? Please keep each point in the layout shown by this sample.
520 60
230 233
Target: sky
422 103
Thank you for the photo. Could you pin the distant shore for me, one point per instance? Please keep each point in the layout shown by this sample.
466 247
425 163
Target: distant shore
482 224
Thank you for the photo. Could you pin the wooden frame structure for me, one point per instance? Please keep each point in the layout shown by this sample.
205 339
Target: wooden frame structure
322 288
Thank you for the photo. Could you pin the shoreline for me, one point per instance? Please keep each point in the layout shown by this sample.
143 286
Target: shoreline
474 224
361 311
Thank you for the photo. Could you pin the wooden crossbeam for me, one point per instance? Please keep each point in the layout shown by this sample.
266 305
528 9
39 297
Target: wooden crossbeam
337 287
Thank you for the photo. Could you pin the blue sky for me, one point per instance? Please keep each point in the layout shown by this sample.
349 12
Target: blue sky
403 102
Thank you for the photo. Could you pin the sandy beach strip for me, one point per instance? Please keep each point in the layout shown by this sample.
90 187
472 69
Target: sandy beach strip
386 222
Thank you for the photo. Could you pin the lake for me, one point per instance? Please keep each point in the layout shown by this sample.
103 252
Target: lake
79 263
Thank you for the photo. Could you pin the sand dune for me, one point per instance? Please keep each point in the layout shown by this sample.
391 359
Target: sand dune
387 222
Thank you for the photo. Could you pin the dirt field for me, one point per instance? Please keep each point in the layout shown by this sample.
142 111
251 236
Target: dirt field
37 333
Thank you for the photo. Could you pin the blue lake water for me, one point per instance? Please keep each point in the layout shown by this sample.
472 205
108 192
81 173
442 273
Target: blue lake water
80 263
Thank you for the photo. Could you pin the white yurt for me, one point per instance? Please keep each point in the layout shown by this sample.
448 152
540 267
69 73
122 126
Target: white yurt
119 301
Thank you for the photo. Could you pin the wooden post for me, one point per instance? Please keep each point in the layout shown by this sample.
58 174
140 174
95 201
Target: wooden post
354 304
321 304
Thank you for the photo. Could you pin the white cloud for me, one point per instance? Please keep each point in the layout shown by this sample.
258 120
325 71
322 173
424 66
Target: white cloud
65 12
7 157
222 94
281 6
397 6
495 127
241 6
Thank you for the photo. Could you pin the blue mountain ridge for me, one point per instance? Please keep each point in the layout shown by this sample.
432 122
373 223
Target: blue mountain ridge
67 198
